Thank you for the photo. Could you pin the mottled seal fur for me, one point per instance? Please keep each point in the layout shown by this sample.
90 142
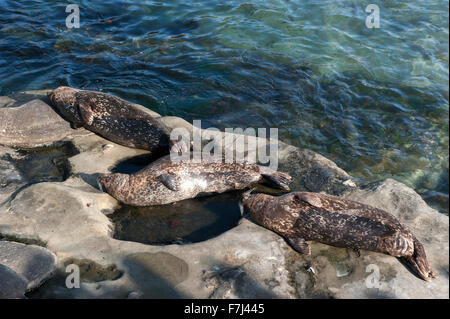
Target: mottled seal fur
164 181
302 216
111 117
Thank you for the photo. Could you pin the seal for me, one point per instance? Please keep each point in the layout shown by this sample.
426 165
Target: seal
111 117
164 181
302 216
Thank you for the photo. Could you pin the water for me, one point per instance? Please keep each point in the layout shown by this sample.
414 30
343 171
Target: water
375 101
183 222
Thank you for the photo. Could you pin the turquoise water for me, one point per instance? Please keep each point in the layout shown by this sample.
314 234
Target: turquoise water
373 100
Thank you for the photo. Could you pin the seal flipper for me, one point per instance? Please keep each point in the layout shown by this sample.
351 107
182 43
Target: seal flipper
418 262
169 181
299 245
86 112
277 180
76 126
310 198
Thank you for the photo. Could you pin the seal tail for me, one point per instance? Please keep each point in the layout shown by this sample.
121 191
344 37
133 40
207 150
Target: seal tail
418 262
277 180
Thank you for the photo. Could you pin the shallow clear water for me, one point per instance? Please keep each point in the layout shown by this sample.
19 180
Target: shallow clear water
373 100
188 221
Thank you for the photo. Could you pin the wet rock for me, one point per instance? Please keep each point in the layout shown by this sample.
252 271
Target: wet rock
437 200
58 214
92 272
12 285
6 101
33 124
35 264
247 261
20 98
11 178
315 173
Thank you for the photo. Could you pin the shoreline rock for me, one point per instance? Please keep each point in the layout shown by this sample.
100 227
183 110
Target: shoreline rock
70 219
33 264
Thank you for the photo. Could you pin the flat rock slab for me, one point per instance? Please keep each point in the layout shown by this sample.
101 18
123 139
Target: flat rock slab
247 261
12 285
34 124
34 263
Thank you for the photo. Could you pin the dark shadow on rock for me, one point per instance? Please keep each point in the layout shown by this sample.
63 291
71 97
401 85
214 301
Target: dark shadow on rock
14 195
225 278
90 272
90 179
374 293
156 274
134 164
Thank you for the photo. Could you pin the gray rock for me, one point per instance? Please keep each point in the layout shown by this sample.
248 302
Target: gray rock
59 215
10 177
33 124
12 285
245 262
35 264
20 98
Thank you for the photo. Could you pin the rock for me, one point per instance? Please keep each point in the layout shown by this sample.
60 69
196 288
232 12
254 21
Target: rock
6 101
34 263
33 124
11 178
51 212
46 210
12 285
315 173
98 155
247 261
20 98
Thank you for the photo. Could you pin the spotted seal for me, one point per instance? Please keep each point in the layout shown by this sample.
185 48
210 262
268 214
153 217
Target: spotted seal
111 117
165 181
302 216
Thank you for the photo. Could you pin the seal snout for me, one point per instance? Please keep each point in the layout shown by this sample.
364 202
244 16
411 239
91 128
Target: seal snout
113 184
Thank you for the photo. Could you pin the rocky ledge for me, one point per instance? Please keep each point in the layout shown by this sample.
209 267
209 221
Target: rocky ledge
63 212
